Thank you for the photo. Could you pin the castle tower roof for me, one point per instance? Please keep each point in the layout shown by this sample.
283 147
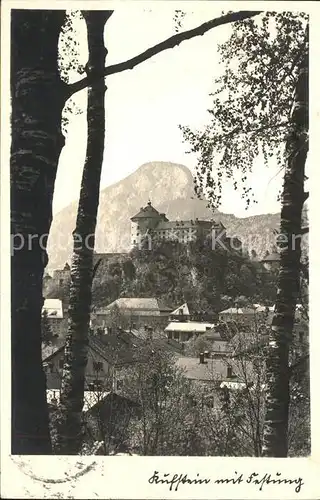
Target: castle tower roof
147 212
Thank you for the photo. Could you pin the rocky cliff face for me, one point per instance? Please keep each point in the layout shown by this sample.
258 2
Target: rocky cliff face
169 186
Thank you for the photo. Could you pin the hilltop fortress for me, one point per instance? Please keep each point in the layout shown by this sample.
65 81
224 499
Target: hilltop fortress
150 224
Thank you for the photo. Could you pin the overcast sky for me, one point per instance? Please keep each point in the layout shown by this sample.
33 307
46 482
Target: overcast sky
144 106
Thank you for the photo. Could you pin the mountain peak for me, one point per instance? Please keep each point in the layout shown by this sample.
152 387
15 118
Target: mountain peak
156 166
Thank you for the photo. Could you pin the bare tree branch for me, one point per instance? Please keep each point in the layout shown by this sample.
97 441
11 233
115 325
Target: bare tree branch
169 43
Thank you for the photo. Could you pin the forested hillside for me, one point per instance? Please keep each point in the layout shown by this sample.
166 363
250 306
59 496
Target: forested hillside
208 280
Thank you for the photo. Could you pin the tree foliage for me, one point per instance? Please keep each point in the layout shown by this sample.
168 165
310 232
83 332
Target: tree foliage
251 103
46 330
71 61
192 273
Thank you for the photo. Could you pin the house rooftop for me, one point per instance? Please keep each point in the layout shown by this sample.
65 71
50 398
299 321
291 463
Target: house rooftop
273 257
118 348
190 326
212 370
53 308
217 334
145 305
181 310
239 310
91 398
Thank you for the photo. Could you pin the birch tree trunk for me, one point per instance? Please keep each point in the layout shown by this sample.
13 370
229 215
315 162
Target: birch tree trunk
293 197
76 349
38 97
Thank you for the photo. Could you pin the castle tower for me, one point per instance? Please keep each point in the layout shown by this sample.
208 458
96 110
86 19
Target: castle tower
144 222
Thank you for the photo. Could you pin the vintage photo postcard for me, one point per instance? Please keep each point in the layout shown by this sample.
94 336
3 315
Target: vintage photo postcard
159 200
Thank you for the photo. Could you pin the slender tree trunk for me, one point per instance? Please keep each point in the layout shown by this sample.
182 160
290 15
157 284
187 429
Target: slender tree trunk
38 97
76 349
277 403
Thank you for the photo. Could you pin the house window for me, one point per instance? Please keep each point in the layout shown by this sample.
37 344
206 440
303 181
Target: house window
98 366
176 335
98 386
61 362
169 335
229 372
60 282
49 367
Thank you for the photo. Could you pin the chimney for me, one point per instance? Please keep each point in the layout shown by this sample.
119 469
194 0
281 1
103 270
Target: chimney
201 358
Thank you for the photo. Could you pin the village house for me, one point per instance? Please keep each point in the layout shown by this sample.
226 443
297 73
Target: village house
181 313
60 279
242 315
57 316
211 375
106 416
271 261
108 357
133 311
206 369
184 331
107 419
219 341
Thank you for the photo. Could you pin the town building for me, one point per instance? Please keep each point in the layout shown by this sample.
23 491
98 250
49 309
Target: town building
184 331
61 277
186 313
53 308
242 315
132 312
208 377
181 313
57 316
271 261
219 341
108 357
149 225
